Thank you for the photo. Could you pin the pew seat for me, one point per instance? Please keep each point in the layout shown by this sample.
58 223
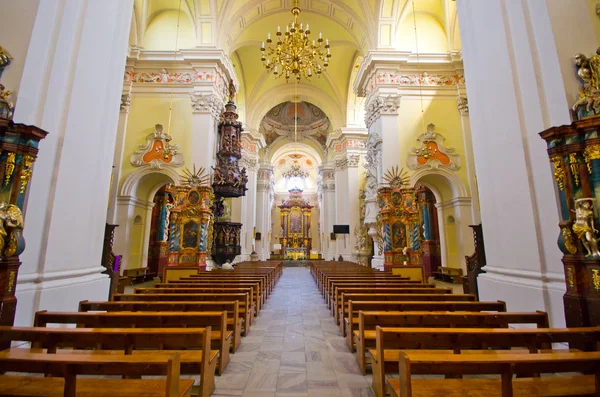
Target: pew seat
504 365
64 370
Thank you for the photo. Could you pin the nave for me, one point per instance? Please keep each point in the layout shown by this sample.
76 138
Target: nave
294 349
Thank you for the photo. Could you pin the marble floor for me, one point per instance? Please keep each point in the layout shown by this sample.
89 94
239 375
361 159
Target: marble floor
294 349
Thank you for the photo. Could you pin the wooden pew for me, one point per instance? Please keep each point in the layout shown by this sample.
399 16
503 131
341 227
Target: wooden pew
504 365
340 314
448 274
203 290
391 341
334 293
419 306
364 336
221 338
246 313
138 274
234 321
362 279
264 287
377 290
65 368
204 285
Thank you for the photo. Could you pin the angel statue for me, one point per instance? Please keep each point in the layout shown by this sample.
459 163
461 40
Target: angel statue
588 70
584 227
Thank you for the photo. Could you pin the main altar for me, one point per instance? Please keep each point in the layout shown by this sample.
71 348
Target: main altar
295 239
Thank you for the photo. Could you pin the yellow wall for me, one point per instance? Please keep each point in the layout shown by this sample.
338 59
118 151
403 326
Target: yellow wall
430 33
145 113
161 33
445 116
595 18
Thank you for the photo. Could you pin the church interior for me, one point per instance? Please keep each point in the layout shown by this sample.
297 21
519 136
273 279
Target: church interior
285 198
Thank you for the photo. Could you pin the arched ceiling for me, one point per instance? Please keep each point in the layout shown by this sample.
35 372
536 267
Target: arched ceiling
353 27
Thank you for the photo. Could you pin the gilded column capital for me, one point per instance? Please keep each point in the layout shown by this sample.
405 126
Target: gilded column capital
126 102
206 103
462 104
381 105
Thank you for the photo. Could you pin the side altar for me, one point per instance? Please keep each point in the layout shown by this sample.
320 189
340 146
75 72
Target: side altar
295 240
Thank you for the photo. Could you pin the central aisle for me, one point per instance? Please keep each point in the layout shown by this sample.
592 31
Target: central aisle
294 349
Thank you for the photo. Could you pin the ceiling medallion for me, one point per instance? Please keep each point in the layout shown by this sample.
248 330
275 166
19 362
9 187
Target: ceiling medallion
294 53
295 171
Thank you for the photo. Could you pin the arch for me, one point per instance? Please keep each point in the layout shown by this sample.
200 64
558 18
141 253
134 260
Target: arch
456 185
285 93
130 185
163 36
295 147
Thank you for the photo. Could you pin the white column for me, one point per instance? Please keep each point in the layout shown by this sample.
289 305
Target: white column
126 96
248 217
520 81
382 118
463 109
263 210
71 87
342 208
328 178
207 106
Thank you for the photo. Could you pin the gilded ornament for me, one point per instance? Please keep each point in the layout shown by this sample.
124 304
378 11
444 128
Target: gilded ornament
559 172
590 153
588 70
10 167
569 241
570 278
12 277
596 279
574 167
26 172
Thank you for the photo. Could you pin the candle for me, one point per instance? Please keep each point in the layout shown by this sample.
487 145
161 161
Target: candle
320 35
269 36
278 28
307 27
263 45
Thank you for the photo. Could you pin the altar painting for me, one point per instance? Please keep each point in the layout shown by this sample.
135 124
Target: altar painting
295 221
190 235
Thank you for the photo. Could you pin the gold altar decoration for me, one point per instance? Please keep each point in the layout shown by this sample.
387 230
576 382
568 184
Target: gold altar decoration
294 53
400 219
295 238
191 220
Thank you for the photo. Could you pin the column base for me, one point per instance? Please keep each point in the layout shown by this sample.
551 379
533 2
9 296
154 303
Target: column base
377 263
525 291
58 294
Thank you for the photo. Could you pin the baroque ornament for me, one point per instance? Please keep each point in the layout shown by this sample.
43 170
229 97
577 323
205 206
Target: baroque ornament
381 105
158 152
588 70
432 153
584 227
202 103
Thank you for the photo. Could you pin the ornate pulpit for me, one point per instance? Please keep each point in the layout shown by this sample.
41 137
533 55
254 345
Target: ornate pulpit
400 220
295 240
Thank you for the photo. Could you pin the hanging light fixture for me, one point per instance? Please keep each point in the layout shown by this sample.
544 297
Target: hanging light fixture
293 52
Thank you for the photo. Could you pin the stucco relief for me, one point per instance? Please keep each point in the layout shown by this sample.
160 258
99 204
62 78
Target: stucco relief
164 77
206 103
462 104
431 152
379 105
126 102
157 152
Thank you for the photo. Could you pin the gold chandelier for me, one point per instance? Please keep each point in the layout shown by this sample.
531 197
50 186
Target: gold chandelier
294 53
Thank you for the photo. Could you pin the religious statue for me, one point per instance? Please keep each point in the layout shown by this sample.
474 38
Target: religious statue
588 70
584 227
5 60
7 107
11 223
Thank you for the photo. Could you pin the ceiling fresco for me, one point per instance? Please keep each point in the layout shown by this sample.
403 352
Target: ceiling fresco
312 123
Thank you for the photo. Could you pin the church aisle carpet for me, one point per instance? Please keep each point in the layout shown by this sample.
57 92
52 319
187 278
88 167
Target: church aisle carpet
294 349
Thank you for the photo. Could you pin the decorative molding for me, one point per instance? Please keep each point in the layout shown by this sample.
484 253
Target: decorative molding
164 77
423 79
329 187
381 105
341 165
206 103
463 105
432 153
350 144
158 152
126 102
352 160
249 146
250 163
